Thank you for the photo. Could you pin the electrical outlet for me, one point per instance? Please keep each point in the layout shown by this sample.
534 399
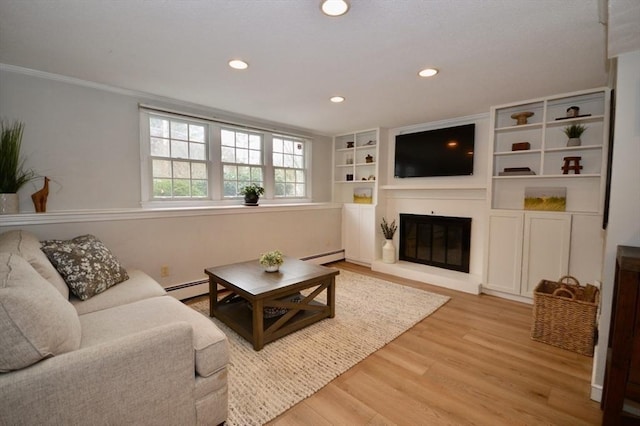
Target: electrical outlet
164 271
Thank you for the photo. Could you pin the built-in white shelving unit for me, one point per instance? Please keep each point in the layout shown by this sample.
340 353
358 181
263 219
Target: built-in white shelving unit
356 160
524 246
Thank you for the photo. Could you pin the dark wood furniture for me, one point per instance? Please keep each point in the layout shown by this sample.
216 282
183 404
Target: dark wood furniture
622 376
252 289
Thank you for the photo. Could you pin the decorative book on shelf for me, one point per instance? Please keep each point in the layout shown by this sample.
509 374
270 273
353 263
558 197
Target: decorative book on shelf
516 171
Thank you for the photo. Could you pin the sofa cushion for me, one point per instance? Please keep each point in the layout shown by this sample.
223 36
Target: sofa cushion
139 286
210 344
86 264
36 322
27 246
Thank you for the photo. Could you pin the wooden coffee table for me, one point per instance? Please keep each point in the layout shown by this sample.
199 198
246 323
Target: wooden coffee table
252 290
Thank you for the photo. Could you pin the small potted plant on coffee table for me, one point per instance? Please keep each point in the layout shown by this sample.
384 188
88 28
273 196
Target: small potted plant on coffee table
251 194
271 260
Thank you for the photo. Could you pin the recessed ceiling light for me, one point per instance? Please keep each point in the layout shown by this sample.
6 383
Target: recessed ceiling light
238 64
428 72
337 99
334 7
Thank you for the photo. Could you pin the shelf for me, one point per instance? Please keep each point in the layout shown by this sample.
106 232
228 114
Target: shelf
568 121
354 181
431 188
344 149
365 164
548 143
344 165
366 147
571 176
520 127
522 152
573 148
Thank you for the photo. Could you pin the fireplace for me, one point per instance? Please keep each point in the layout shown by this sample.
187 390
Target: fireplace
439 241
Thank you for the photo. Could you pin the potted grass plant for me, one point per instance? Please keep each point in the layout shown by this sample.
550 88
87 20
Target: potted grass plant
13 175
388 250
574 132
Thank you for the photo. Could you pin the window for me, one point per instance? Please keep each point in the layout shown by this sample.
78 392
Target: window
241 154
178 153
289 167
189 161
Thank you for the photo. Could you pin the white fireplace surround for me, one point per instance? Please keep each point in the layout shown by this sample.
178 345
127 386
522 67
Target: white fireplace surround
460 281
462 200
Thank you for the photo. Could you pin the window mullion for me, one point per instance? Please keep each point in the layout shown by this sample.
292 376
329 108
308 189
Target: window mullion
268 170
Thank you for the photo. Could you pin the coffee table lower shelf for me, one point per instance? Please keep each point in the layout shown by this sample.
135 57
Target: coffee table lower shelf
239 317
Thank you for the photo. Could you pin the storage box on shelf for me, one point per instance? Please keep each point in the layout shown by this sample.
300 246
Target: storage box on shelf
518 240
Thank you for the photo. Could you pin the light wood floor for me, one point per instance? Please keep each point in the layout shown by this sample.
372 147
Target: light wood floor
471 362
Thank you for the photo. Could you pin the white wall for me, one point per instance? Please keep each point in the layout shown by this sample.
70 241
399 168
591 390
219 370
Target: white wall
193 241
624 213
86 139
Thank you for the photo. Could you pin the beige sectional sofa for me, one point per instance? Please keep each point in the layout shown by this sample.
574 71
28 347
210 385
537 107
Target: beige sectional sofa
130 354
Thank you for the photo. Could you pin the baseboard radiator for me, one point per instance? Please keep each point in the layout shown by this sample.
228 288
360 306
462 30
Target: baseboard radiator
201 287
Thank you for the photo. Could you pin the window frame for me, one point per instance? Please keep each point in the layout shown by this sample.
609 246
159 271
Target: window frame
304 168
215 165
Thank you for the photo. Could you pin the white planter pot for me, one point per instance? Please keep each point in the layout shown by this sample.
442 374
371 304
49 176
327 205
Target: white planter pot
574 142
9 204
272 268
388 252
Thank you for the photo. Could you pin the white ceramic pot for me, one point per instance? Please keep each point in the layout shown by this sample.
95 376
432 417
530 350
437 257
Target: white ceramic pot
9 204
388 252
574 142
272 268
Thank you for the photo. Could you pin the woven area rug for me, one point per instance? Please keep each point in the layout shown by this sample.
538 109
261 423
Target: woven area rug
369 314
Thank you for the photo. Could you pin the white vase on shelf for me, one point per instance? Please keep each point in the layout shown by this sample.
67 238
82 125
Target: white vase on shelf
388 252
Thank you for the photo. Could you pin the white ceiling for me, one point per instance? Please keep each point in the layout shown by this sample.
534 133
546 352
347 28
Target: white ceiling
488 52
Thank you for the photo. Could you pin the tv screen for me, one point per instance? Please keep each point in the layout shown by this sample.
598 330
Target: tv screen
440 152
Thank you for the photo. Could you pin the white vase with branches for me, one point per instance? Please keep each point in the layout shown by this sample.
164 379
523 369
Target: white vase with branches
388 250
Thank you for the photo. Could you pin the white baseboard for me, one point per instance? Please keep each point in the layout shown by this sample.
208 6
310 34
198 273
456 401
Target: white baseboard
187 291
508 296
596 392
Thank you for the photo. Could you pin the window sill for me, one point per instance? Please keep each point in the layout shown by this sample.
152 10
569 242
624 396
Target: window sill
76 216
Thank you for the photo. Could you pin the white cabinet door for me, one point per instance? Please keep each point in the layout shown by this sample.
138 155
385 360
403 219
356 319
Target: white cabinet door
367 234
545 253
504 252
358 231
350 231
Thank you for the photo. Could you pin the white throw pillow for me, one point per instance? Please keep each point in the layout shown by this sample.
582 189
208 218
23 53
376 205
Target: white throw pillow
36 322
27 246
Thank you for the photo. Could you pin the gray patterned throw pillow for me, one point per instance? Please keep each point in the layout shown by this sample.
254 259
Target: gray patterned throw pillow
86 264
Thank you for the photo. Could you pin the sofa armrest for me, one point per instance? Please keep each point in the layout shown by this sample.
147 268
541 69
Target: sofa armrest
143 378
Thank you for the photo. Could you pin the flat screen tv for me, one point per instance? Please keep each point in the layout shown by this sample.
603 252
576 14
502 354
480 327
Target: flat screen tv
439 152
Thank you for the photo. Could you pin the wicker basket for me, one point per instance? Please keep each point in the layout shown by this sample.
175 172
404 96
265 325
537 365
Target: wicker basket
564 314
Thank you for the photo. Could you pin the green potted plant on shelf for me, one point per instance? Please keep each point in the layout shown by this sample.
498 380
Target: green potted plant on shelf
388 250
574 132
252 194
12 172
271 260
